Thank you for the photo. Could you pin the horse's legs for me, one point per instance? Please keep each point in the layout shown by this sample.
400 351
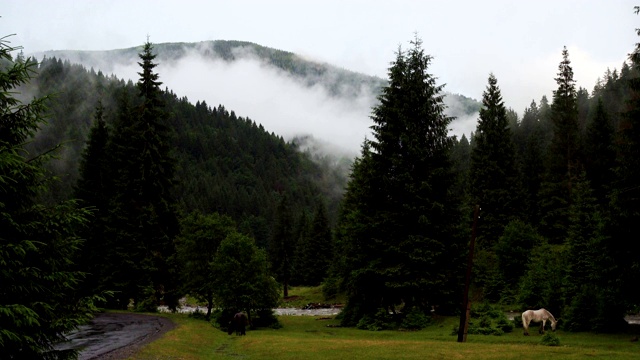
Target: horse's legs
525 325
542 323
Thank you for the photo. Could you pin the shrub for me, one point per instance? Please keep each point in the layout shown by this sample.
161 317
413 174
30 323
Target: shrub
380 321
198 314
550 339
266 318
415 319
505 324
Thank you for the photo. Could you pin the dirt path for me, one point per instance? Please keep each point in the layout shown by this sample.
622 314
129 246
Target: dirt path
115 336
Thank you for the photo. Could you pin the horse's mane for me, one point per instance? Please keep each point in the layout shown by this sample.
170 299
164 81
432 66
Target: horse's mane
548 313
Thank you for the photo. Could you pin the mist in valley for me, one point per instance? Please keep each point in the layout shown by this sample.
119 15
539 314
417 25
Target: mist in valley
318 116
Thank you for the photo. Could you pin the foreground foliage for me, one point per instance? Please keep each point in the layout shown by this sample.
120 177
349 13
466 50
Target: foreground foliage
39 300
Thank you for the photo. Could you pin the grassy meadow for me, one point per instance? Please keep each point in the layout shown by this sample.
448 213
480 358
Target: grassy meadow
309 337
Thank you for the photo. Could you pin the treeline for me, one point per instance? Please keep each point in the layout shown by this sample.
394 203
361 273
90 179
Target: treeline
117 219
557 190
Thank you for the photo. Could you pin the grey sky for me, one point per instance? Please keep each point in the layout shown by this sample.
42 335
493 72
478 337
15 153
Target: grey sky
519 41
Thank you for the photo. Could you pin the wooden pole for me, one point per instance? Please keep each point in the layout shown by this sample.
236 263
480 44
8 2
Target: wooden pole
466 304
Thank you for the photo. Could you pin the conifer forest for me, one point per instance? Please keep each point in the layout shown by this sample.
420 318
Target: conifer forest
125 195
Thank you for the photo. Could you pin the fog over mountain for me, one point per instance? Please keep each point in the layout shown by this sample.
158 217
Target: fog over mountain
290 96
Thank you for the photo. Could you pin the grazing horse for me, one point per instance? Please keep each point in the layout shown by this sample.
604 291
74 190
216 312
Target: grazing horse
540 316
239 324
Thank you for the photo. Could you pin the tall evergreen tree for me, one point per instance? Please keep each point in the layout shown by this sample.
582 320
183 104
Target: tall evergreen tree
406 244
600 154
317 251
143 214
93 189
39 298
282 245
495 183
563 156
624 245
593 299
531 153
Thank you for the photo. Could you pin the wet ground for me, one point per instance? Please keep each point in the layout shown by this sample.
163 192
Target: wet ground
116 335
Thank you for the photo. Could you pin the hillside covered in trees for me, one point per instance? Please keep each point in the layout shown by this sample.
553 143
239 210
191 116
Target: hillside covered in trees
159 197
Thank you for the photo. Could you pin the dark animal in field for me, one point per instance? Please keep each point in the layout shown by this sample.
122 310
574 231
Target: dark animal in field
239 324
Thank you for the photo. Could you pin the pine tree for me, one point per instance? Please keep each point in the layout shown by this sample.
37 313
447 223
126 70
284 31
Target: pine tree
93 189
405 244
624 245
495 183
143 216
593 301
563 157
531 152
600 154
282 245
318 250
39 297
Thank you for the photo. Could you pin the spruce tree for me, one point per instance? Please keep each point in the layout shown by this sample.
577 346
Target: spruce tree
39 297
282 245
600 154
563 158
593 301
93 189
625 202
405 247
495 183
142 212
318 250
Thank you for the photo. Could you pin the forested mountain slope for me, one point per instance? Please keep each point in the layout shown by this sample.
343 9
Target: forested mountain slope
225 162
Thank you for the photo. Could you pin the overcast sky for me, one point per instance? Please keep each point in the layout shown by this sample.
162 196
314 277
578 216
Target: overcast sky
519 41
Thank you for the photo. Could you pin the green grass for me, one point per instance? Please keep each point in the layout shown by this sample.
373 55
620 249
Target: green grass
305 337
299 296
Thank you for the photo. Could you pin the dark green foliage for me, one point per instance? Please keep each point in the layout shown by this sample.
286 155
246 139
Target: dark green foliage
39 297
282 245
625 202
513 251
550 339
541 286
316 249
600 153
415 319
94 190
494 178
399 228
563 157
488 320
380 320
196 248
244 283
142 211
592 303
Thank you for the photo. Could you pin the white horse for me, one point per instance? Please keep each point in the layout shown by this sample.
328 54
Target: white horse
540 316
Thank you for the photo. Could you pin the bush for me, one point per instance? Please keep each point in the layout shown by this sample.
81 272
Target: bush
149 304
550 339
505 324
198 314
415 319
266 318
330 287
380 321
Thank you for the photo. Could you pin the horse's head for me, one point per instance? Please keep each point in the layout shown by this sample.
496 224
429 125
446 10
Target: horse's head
554 323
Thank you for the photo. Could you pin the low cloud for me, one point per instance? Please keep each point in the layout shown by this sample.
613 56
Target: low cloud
285 105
